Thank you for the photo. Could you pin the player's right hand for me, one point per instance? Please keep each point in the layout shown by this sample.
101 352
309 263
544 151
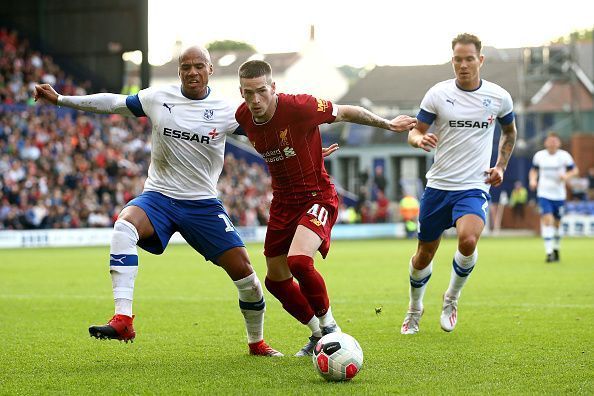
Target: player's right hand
427 142
45 93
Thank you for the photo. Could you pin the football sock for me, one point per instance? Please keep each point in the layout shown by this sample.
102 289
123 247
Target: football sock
311 283
293 301
123 265
548 232
462 266
252 305
556 238
418 284
314 326
327 319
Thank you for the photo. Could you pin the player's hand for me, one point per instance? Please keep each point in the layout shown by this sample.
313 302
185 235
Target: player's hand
326 151
494 176
532 184
403 123
427 142
45 93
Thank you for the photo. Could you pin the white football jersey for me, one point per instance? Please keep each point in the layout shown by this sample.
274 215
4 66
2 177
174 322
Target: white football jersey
550 169
464 123
188 140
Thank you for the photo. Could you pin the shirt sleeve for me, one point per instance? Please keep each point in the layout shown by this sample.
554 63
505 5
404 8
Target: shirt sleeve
316 111
506 113
569 163
428 112
141 103
536 161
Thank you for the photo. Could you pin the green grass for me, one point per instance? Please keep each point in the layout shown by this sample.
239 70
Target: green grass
524 326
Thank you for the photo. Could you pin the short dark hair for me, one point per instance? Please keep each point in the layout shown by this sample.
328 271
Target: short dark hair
255 69
467 38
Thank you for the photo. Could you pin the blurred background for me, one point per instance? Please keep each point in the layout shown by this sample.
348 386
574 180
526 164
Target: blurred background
63 169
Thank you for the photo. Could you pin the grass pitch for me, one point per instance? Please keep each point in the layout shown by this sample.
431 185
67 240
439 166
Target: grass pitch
524 326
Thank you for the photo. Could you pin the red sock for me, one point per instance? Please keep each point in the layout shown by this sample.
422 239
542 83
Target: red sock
311 283
288 293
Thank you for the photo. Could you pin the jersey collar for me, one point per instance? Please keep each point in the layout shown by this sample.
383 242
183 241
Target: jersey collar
206 96
469 90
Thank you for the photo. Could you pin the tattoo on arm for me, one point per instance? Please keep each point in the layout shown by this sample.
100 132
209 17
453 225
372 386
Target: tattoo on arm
506 144
359 115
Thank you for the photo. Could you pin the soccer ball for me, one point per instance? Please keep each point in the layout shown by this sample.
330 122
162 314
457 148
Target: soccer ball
337 357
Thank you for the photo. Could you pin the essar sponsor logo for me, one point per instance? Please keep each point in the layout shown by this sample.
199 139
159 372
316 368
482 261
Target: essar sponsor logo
184 135
468 124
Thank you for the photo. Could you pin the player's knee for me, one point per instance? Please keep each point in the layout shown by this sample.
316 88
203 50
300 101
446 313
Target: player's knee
467 244
300 264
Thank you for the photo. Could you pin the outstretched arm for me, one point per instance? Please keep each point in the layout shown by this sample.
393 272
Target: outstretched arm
103 103
506 146
359 115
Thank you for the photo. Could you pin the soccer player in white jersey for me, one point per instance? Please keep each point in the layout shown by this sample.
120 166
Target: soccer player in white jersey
551 168
464 112
189 126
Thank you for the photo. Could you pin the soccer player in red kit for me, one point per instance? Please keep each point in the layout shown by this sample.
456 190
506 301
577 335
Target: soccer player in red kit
284 129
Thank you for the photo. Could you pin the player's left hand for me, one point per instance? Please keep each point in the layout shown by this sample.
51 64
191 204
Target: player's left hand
494 176
326 151
403 123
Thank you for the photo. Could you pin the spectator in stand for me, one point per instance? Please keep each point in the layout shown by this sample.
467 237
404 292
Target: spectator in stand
518 199
382 210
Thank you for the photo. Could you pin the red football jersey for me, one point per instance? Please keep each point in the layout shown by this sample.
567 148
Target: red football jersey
291 145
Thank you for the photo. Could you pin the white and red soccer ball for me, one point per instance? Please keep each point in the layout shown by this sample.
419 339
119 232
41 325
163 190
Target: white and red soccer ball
337 357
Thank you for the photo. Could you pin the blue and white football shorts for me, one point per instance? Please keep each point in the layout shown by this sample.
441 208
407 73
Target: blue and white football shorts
556 208
440 209
203 223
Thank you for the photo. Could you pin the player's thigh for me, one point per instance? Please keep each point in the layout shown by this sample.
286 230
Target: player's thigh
435 214
139 219
159 210
305 242
547 210
205 225
315 227
277 269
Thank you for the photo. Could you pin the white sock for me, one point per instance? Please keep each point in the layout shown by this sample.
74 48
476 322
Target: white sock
327 319
123 265
462 266
252 305
314 326
548 232
418 283
556 238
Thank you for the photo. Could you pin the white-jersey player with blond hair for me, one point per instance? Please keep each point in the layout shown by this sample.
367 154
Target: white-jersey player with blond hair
189 125
464 112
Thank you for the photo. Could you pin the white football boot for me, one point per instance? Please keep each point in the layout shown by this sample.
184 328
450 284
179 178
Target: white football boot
449 313
411 322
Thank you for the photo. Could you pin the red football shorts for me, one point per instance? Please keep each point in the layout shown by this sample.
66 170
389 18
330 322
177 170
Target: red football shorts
319 215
